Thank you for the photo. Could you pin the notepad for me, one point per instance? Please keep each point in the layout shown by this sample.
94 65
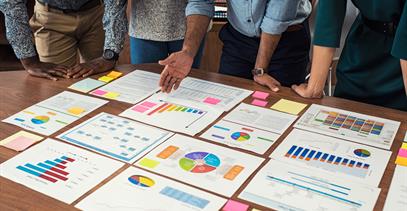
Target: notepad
105 79
86 85
20 141
289 106
260 95
257 102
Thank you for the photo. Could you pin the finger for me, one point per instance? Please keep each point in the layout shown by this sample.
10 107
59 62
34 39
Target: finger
56 73
171 84
61 68
81 72
88 73
273 86
42 75
164 75
177 84
74 70
169 60
166 83
298 89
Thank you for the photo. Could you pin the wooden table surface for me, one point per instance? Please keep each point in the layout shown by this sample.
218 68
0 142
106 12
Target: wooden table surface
19 91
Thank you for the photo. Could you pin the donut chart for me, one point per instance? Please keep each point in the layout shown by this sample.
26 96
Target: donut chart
40 120
141 181
362 153
240 136
199 162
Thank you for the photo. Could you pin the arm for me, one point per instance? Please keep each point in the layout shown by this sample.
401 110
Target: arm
278 17
178 64
327 34
404 70
20 37
115 26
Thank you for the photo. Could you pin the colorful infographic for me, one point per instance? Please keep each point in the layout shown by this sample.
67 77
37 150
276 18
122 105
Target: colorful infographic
158 111
217 169
348 125
116 137
216 95
152 192
282 186
246 137
58 170
328 154
51 115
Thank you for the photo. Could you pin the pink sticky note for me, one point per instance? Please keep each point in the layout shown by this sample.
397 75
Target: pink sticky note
212 100
260 95
148 104
232 205
99 92
140 108
20 143
403 153
261 103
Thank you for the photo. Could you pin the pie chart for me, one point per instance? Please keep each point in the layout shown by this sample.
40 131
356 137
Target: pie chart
199 162
362 153
40 120
240 136
141 181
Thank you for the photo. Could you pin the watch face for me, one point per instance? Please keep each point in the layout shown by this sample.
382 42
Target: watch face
258 72
108 54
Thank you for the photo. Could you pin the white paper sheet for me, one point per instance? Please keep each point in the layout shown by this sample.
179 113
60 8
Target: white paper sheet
116 137
397 196
136 189
348 125
246 137
58 170
282 186
351 161
214 94
262 118
176 115
51 115
201 164
132 87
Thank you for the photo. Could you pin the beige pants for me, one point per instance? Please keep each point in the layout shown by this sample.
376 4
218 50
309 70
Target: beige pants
60 37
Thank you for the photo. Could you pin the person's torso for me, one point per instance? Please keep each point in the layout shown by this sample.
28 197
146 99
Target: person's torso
380 10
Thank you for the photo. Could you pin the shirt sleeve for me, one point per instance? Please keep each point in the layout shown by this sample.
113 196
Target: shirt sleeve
399 49
329 21
115 24
200 7
18 31
280 14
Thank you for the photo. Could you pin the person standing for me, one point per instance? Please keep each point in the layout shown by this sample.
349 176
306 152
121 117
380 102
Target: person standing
373 64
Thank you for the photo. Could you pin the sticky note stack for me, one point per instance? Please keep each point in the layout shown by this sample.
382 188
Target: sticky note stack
20 141
260 98
110 77
102 93
402 156
289 106
232 205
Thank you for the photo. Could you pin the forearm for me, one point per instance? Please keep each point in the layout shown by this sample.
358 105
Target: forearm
268 44
115 24
196 30
403 64
321 61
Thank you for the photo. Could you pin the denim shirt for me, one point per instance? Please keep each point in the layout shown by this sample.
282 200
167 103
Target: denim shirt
251 17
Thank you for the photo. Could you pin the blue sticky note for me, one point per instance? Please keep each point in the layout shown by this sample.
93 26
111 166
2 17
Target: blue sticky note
86 85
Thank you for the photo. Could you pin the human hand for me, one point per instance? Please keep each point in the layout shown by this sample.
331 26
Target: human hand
95 66
306 91
267 80
177 67
42 69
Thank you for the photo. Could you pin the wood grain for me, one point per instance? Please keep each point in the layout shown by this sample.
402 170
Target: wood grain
18 91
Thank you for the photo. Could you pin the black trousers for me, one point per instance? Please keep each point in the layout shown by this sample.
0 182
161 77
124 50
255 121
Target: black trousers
288 64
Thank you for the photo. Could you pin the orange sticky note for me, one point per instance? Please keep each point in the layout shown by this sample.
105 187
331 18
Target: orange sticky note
114 74
401 161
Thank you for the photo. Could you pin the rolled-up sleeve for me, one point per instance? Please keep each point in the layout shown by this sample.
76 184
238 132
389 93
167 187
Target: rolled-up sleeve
115 24
399 49
330 17
280 14
18 31
200 7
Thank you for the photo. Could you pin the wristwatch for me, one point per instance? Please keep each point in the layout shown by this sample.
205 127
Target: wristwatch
110 55
258 71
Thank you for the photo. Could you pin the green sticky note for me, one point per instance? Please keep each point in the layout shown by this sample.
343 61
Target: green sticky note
148 163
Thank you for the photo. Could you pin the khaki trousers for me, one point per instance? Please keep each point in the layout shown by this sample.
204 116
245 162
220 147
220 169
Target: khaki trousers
59 37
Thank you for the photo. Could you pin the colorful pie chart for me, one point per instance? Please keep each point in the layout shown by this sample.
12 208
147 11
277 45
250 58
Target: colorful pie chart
141 181
199 162
40 120
240 136
362 153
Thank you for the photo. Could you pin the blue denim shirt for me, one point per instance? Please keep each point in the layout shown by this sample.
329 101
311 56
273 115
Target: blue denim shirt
251 17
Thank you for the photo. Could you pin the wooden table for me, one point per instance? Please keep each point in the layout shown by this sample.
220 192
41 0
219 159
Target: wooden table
19 91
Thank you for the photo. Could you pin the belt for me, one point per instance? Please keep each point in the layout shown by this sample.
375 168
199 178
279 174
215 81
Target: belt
387 28
294 28
88 5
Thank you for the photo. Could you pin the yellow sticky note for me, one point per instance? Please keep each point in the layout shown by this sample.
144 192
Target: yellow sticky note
114 74
289 106
401 161
76 110
254 209
105 79
111 95
148 163
404 146
20 140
